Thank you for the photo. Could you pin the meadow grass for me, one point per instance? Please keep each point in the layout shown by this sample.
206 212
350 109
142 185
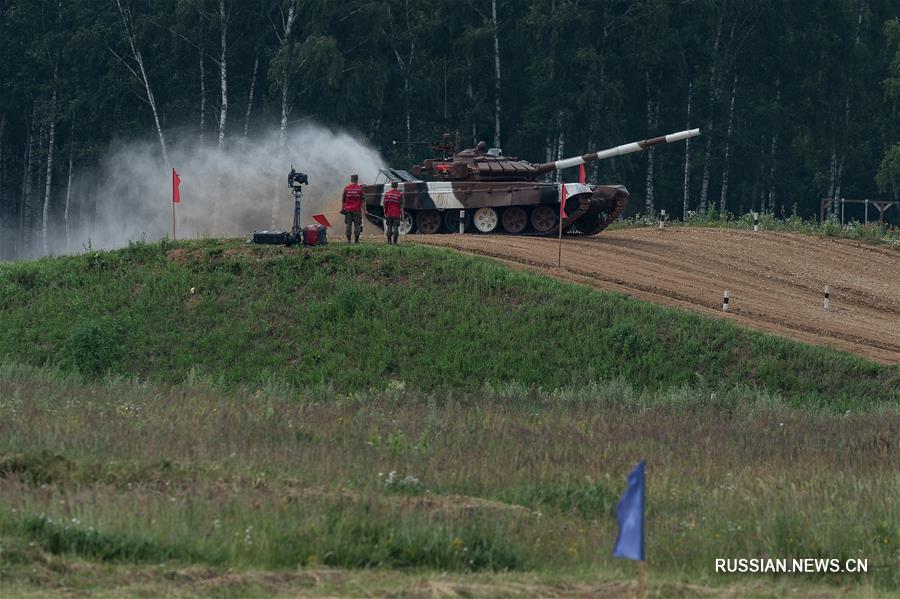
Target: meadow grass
397 410
500 479
357 317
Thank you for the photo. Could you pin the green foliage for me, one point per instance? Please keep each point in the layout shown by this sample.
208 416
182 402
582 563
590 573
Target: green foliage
888 176
589 500
39 468
66 537
354 539
93 347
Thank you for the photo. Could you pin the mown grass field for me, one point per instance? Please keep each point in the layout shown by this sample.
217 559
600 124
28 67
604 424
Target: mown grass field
364 420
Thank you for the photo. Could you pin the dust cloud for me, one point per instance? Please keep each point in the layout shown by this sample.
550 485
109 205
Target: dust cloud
228 193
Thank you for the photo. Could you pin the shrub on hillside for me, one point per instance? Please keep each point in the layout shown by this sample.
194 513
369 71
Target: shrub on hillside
92 348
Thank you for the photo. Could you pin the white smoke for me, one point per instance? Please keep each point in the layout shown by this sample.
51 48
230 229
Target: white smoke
228 193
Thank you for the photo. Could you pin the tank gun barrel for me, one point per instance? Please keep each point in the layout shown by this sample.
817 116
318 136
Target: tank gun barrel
636 146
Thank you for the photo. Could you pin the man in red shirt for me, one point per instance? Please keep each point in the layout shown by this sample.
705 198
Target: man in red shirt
393 212
352 207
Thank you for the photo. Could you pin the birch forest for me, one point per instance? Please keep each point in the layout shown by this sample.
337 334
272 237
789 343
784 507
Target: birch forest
797 101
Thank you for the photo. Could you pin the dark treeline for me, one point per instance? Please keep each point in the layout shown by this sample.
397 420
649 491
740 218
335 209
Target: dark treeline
797 100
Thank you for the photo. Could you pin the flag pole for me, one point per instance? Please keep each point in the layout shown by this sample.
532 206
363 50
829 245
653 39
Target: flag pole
559 250
642 578
176 197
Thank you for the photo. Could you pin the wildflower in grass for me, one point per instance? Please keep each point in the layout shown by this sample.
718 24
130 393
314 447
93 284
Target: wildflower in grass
406 484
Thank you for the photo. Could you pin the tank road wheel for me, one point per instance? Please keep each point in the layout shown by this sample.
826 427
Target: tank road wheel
428 221
451 220
407 223
543 219
514 220
486 220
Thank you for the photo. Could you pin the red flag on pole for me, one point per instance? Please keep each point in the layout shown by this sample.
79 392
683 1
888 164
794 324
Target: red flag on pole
581 176
176 193
562 202
320 218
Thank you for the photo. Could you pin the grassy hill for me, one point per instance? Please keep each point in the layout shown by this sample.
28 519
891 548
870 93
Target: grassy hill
355 318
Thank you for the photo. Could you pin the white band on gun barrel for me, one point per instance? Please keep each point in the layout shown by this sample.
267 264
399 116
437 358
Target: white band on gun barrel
682 135
575 161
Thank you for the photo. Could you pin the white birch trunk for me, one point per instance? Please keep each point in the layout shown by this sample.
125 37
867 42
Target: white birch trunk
128 24
594 167
3 227
560 144
714 93
282 135
838 158
652 123
408 120
704 186
772 151
771 178
45 213
763 188
832 180
839 178
496 76
471 96
152 100
202 99
687 158
69 184
288 26
26 180
250 99
223 73
723 196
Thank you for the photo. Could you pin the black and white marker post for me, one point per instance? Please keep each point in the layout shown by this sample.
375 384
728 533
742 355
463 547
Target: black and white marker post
462 221
725 301
826 297
662 219
756 221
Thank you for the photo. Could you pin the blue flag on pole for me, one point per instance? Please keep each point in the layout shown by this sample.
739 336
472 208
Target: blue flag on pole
630 513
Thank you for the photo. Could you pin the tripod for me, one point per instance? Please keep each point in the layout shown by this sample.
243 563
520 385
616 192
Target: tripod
297 230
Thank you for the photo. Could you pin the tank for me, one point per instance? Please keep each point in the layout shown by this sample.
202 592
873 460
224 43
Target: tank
487 192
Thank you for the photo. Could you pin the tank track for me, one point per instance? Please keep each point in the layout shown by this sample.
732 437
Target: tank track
593 214
603 212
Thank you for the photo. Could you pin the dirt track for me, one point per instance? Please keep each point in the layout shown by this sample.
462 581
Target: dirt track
775 280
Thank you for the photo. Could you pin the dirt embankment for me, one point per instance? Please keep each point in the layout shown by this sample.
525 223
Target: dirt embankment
776 280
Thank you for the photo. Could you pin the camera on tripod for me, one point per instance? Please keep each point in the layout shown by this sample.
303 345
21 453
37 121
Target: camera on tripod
296 180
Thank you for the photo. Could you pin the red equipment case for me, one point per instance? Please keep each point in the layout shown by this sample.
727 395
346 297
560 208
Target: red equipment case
314 235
